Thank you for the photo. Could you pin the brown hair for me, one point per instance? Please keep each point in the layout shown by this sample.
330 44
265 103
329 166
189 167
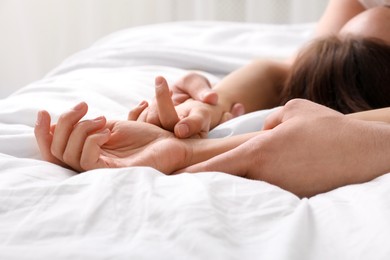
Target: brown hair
349 75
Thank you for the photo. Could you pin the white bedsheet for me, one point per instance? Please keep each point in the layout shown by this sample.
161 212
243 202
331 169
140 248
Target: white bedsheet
48 212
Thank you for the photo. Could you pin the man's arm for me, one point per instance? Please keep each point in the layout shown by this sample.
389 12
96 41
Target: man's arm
309 149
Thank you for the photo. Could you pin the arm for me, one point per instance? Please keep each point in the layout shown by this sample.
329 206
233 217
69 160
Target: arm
309 149
204 149
257 86
90 144
336 15
208 148
253 87
380 115
341 150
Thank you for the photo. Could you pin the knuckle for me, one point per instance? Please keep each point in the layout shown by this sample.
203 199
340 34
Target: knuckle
85 161
84 165
143 116
68 157
56 152
153 118
170 122
82 126
190 76
294 103
160 91
193 76
64 118
202 115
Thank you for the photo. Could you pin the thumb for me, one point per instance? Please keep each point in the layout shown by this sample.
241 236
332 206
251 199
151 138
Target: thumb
196 123
274 119
208 96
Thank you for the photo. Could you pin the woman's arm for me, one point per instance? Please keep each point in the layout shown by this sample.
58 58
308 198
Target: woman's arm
340 150
380 115
253 87
257 85
89 144
336 15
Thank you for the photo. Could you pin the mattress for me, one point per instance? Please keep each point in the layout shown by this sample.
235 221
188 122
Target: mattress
49 212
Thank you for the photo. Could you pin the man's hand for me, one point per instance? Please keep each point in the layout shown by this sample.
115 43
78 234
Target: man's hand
306 149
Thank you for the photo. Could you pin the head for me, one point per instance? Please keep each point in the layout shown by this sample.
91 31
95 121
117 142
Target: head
348 74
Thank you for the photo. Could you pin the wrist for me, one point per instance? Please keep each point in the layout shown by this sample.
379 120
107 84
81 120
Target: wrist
379 148
185 149
199 150
372 142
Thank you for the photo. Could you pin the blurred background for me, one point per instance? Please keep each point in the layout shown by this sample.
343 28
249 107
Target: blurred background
38 34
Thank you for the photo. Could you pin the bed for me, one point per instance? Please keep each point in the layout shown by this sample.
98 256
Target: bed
48 212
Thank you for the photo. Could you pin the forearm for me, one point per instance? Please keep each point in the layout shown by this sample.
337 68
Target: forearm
380 115
199 150
257 86
373 144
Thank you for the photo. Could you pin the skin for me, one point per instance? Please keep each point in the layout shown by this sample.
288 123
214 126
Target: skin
195 118
258 85
305 148
311 149
98 143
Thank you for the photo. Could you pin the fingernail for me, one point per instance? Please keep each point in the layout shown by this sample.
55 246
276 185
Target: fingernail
99 119
79 106
159 81
39 118
143 103
241 111
183 130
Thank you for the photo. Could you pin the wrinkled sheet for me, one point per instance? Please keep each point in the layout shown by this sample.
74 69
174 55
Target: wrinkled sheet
48 212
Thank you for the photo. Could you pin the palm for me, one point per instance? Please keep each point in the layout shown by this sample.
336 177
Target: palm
141 144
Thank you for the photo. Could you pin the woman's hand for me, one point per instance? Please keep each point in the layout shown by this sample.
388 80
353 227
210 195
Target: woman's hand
196 105
91 144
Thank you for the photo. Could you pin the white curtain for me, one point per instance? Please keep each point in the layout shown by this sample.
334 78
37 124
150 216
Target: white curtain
38 34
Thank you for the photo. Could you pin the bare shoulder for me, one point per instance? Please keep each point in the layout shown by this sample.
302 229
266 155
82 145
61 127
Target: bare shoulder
336 15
